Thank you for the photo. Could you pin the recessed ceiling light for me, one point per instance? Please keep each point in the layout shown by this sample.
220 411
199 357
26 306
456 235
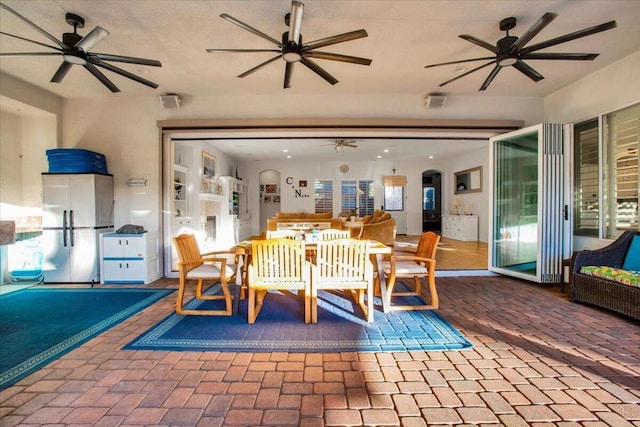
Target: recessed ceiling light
285 151
379 156
386 150
289 156
460 69
142 70
431 157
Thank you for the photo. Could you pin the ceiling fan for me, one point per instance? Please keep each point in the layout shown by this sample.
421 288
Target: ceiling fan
340 144
74 50
511 50
293 50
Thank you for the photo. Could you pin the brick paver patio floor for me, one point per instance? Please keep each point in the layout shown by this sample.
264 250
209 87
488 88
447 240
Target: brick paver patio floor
538 360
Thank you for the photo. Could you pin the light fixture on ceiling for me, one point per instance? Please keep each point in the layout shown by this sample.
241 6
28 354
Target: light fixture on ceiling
460 69
435 100
170 100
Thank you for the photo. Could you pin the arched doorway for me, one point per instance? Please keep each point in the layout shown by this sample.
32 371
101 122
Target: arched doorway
432 200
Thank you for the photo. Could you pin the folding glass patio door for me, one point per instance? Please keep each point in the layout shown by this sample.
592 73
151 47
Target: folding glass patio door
527 209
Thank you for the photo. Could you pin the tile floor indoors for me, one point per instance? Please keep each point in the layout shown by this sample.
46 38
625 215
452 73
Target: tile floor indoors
538 360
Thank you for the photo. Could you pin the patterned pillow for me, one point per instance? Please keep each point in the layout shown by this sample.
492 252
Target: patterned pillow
614 274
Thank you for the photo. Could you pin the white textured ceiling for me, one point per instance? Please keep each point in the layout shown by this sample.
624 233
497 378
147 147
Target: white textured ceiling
404 36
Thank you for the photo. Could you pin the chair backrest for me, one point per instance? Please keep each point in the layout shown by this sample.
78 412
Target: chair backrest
282 234
343 260
428 245
278 260
331 234
188 251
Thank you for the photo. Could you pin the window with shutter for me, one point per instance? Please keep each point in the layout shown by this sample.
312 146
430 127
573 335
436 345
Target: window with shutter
587 182
323 195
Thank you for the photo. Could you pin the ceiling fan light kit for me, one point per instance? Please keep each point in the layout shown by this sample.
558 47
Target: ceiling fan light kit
435 101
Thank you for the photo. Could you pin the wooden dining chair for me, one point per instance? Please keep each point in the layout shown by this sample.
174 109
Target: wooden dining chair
345 265
406 264
277 264
332 234
211 267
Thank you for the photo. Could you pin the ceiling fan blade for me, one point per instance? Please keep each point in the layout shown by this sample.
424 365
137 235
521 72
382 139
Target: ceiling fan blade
257 67
460 62
30 41
249 28
38 29
340 38
62 71
288 73
528 71
492 75
336 57
467 73
318 70
295 21
572 36
30 53
126 59
103 79
124 73
534 30
241 50
94 37
479 42
562 56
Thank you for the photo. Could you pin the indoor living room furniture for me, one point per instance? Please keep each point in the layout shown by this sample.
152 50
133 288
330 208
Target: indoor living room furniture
379 226
302 221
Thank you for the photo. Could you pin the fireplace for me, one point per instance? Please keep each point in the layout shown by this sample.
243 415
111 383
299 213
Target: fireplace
210 229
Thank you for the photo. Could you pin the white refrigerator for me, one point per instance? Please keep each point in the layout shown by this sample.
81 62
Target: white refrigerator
77 208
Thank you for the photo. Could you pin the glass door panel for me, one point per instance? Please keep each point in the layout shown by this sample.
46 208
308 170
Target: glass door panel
515 204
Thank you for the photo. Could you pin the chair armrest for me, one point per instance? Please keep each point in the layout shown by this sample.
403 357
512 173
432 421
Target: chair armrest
430 261
611 255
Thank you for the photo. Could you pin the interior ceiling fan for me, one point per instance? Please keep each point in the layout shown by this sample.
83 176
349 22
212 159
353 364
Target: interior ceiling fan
74 50
293 50
511 50
340 144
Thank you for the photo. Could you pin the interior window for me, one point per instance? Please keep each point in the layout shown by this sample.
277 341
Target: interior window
323 195
357 197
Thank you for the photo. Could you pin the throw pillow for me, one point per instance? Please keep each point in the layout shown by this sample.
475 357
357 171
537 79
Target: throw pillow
632 259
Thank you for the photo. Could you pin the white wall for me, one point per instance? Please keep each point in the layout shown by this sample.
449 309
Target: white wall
607 89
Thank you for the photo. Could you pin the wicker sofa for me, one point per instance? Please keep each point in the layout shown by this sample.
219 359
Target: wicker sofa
604 292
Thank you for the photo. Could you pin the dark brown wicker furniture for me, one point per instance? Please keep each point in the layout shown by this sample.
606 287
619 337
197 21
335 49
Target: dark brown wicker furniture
604 293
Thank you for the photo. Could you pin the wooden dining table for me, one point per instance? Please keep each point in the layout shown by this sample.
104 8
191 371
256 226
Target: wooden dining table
377 250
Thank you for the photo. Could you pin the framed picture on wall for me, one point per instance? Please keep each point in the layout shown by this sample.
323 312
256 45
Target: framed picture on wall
276 198
208 165
271 188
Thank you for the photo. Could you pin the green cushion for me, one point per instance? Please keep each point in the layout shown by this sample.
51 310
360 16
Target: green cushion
614 274
632 259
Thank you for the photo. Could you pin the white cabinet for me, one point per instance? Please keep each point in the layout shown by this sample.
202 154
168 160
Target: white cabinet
234 219
130 258
460 227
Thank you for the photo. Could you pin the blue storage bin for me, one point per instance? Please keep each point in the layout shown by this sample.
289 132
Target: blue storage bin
75 160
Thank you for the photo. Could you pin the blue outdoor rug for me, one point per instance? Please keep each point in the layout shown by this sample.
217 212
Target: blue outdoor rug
280 327
38 326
